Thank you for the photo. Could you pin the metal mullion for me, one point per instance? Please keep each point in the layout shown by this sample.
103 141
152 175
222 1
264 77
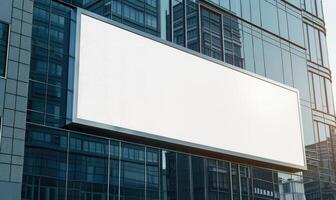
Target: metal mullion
145 172
67 168
191 178
119 170
231 188
239 181
108 169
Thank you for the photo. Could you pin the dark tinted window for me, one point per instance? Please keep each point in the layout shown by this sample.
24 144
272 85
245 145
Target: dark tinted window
3 47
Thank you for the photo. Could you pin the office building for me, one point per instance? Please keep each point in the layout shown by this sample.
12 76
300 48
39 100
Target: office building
165 100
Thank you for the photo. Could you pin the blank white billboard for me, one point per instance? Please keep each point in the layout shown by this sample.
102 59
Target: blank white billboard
124 80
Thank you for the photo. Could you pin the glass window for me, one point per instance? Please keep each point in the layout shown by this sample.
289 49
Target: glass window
192 26
198 180
319 9
169 175
248 52
255 12
273 62
317 91
225 4
132 172
312 44
246 11
324 49
283 23
259 56
4 31
152 171
287 66
296 3
295 29
300 76
232 40
236 7
183 176
178 22
269 17
46 163
211 34
330 99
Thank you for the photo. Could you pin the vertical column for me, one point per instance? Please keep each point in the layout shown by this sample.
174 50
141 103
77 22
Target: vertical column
14 89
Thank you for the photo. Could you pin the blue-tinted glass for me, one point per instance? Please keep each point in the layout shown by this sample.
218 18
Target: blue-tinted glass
287 66
132 172
36 98
324 49
212 181
259 56
178 22
317 91
296 3
319 8
273 62
3 48
255 12
183 176
236 7
225 4
269 17
283 23
246 10
198 180
169 175
263 183
232 41
295 29
224 180
152 170
235 181
45 164
300 76
192 25
248 52
329 92
312 44
308 5
245 183
88 167
211 34
114 170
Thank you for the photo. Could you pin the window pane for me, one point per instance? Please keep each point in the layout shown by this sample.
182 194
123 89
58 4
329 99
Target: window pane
300 75
3 47
325 57
329 92
283 23
295 30
259 56
255 12
287 66
211 34
273 62
132 172
246 12
192 26
269 17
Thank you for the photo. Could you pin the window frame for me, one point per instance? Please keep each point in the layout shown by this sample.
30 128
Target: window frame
7 55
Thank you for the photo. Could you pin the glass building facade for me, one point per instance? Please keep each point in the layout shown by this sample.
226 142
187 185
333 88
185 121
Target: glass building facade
283 40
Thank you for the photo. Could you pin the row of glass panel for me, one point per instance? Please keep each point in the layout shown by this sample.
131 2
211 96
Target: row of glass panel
59 164
316 46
